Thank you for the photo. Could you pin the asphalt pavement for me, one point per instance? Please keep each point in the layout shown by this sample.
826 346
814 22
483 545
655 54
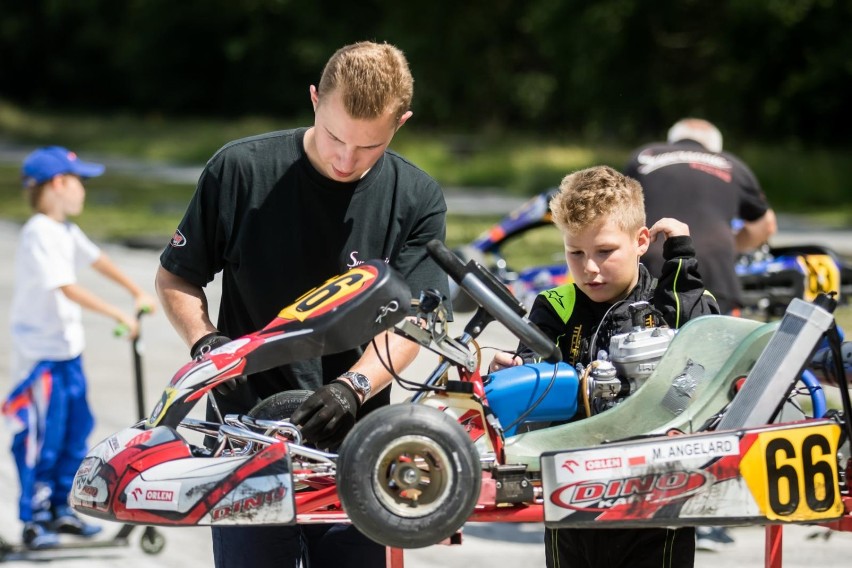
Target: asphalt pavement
108 362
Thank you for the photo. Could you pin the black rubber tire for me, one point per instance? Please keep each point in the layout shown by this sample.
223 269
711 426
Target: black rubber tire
427 447
279 406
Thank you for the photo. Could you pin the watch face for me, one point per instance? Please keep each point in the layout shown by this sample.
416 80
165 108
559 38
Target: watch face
359 381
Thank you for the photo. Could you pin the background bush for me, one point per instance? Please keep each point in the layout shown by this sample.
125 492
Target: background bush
609 70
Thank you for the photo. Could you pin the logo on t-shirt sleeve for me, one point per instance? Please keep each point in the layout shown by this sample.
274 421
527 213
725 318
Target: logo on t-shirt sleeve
178 240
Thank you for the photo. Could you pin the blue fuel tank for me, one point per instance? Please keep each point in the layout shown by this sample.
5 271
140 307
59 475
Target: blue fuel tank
512 391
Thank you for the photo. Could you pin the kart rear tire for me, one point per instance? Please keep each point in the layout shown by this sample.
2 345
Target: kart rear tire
408 476
279 406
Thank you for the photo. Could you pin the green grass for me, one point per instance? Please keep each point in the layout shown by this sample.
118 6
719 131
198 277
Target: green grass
795 179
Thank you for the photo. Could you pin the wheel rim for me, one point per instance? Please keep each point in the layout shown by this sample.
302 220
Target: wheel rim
413 476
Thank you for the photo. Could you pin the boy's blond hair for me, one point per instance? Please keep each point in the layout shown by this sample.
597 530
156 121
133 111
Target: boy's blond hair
588 196
372 78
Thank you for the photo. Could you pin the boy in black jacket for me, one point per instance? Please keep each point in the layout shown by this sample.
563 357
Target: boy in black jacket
601 215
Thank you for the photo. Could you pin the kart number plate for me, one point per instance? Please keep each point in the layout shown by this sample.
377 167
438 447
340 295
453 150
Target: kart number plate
792 473
331 294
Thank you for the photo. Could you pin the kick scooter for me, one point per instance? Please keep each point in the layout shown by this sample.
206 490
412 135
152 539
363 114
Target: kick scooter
152 541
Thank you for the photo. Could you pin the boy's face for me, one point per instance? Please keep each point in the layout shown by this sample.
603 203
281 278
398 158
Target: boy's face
344 148
70 194
604 259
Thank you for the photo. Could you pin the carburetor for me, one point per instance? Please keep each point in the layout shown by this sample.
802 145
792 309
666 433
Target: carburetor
631 359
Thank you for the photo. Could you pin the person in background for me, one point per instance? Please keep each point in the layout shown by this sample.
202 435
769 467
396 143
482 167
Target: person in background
48 406
278 214
602 219
690 178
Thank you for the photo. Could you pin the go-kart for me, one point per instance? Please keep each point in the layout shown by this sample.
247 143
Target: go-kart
680 428
770 277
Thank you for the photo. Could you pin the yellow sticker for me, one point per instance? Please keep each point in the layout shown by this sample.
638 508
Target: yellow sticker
821 275
328 296
169 395
792 473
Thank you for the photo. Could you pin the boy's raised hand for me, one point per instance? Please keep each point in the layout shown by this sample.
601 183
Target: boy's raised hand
668 227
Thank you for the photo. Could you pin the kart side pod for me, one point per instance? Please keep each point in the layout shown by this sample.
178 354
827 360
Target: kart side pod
511 392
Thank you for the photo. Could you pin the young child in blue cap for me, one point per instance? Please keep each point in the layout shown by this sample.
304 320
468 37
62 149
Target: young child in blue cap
48 406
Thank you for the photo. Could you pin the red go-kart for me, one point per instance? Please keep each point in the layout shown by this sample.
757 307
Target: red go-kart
681 428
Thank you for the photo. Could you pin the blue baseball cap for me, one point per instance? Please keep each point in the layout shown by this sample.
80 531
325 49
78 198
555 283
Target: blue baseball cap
43 164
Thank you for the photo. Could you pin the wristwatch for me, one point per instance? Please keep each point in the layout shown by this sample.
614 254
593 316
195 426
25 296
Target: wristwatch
359 382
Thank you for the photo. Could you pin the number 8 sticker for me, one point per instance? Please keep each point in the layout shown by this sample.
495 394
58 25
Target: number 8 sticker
792 473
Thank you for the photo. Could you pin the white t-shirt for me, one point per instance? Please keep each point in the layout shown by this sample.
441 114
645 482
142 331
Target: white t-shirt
45 324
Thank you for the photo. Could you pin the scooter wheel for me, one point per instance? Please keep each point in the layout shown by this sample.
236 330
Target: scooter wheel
152 542
408 476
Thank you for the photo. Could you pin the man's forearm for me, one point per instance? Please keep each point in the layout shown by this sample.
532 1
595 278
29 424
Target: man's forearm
754 233
185 305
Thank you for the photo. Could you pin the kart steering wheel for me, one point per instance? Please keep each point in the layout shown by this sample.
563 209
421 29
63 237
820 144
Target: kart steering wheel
494 297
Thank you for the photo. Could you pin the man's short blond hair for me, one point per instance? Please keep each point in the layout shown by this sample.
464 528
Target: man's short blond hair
588 196
371 78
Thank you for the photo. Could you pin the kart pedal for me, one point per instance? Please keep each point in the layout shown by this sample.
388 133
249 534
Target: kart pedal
778 367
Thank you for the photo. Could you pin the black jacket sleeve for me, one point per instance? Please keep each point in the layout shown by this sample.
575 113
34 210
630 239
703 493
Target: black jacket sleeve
548 321
680 293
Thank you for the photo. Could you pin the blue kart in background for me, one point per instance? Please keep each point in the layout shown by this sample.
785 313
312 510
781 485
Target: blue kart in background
771 276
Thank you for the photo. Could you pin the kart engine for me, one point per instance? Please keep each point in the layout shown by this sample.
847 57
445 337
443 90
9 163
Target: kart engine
631 359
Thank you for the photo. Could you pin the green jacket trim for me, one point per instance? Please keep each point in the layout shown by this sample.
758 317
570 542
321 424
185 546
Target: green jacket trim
675 294
562 299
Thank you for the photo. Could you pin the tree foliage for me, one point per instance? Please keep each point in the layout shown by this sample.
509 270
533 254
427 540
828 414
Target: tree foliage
608 69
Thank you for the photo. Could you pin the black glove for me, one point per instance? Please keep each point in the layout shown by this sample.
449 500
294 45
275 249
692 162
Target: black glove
207 344
328 415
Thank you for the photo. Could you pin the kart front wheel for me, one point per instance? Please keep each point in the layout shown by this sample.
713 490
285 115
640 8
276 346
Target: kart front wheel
280 405
408 476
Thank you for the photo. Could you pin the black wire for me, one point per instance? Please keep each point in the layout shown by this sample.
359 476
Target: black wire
840 371
411 386
592 355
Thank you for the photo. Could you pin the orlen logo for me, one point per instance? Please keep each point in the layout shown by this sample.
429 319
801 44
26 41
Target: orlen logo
600 495
603 463
159 495
152 494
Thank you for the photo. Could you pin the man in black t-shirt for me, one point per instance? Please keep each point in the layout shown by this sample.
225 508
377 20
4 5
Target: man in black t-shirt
280 213
691 179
